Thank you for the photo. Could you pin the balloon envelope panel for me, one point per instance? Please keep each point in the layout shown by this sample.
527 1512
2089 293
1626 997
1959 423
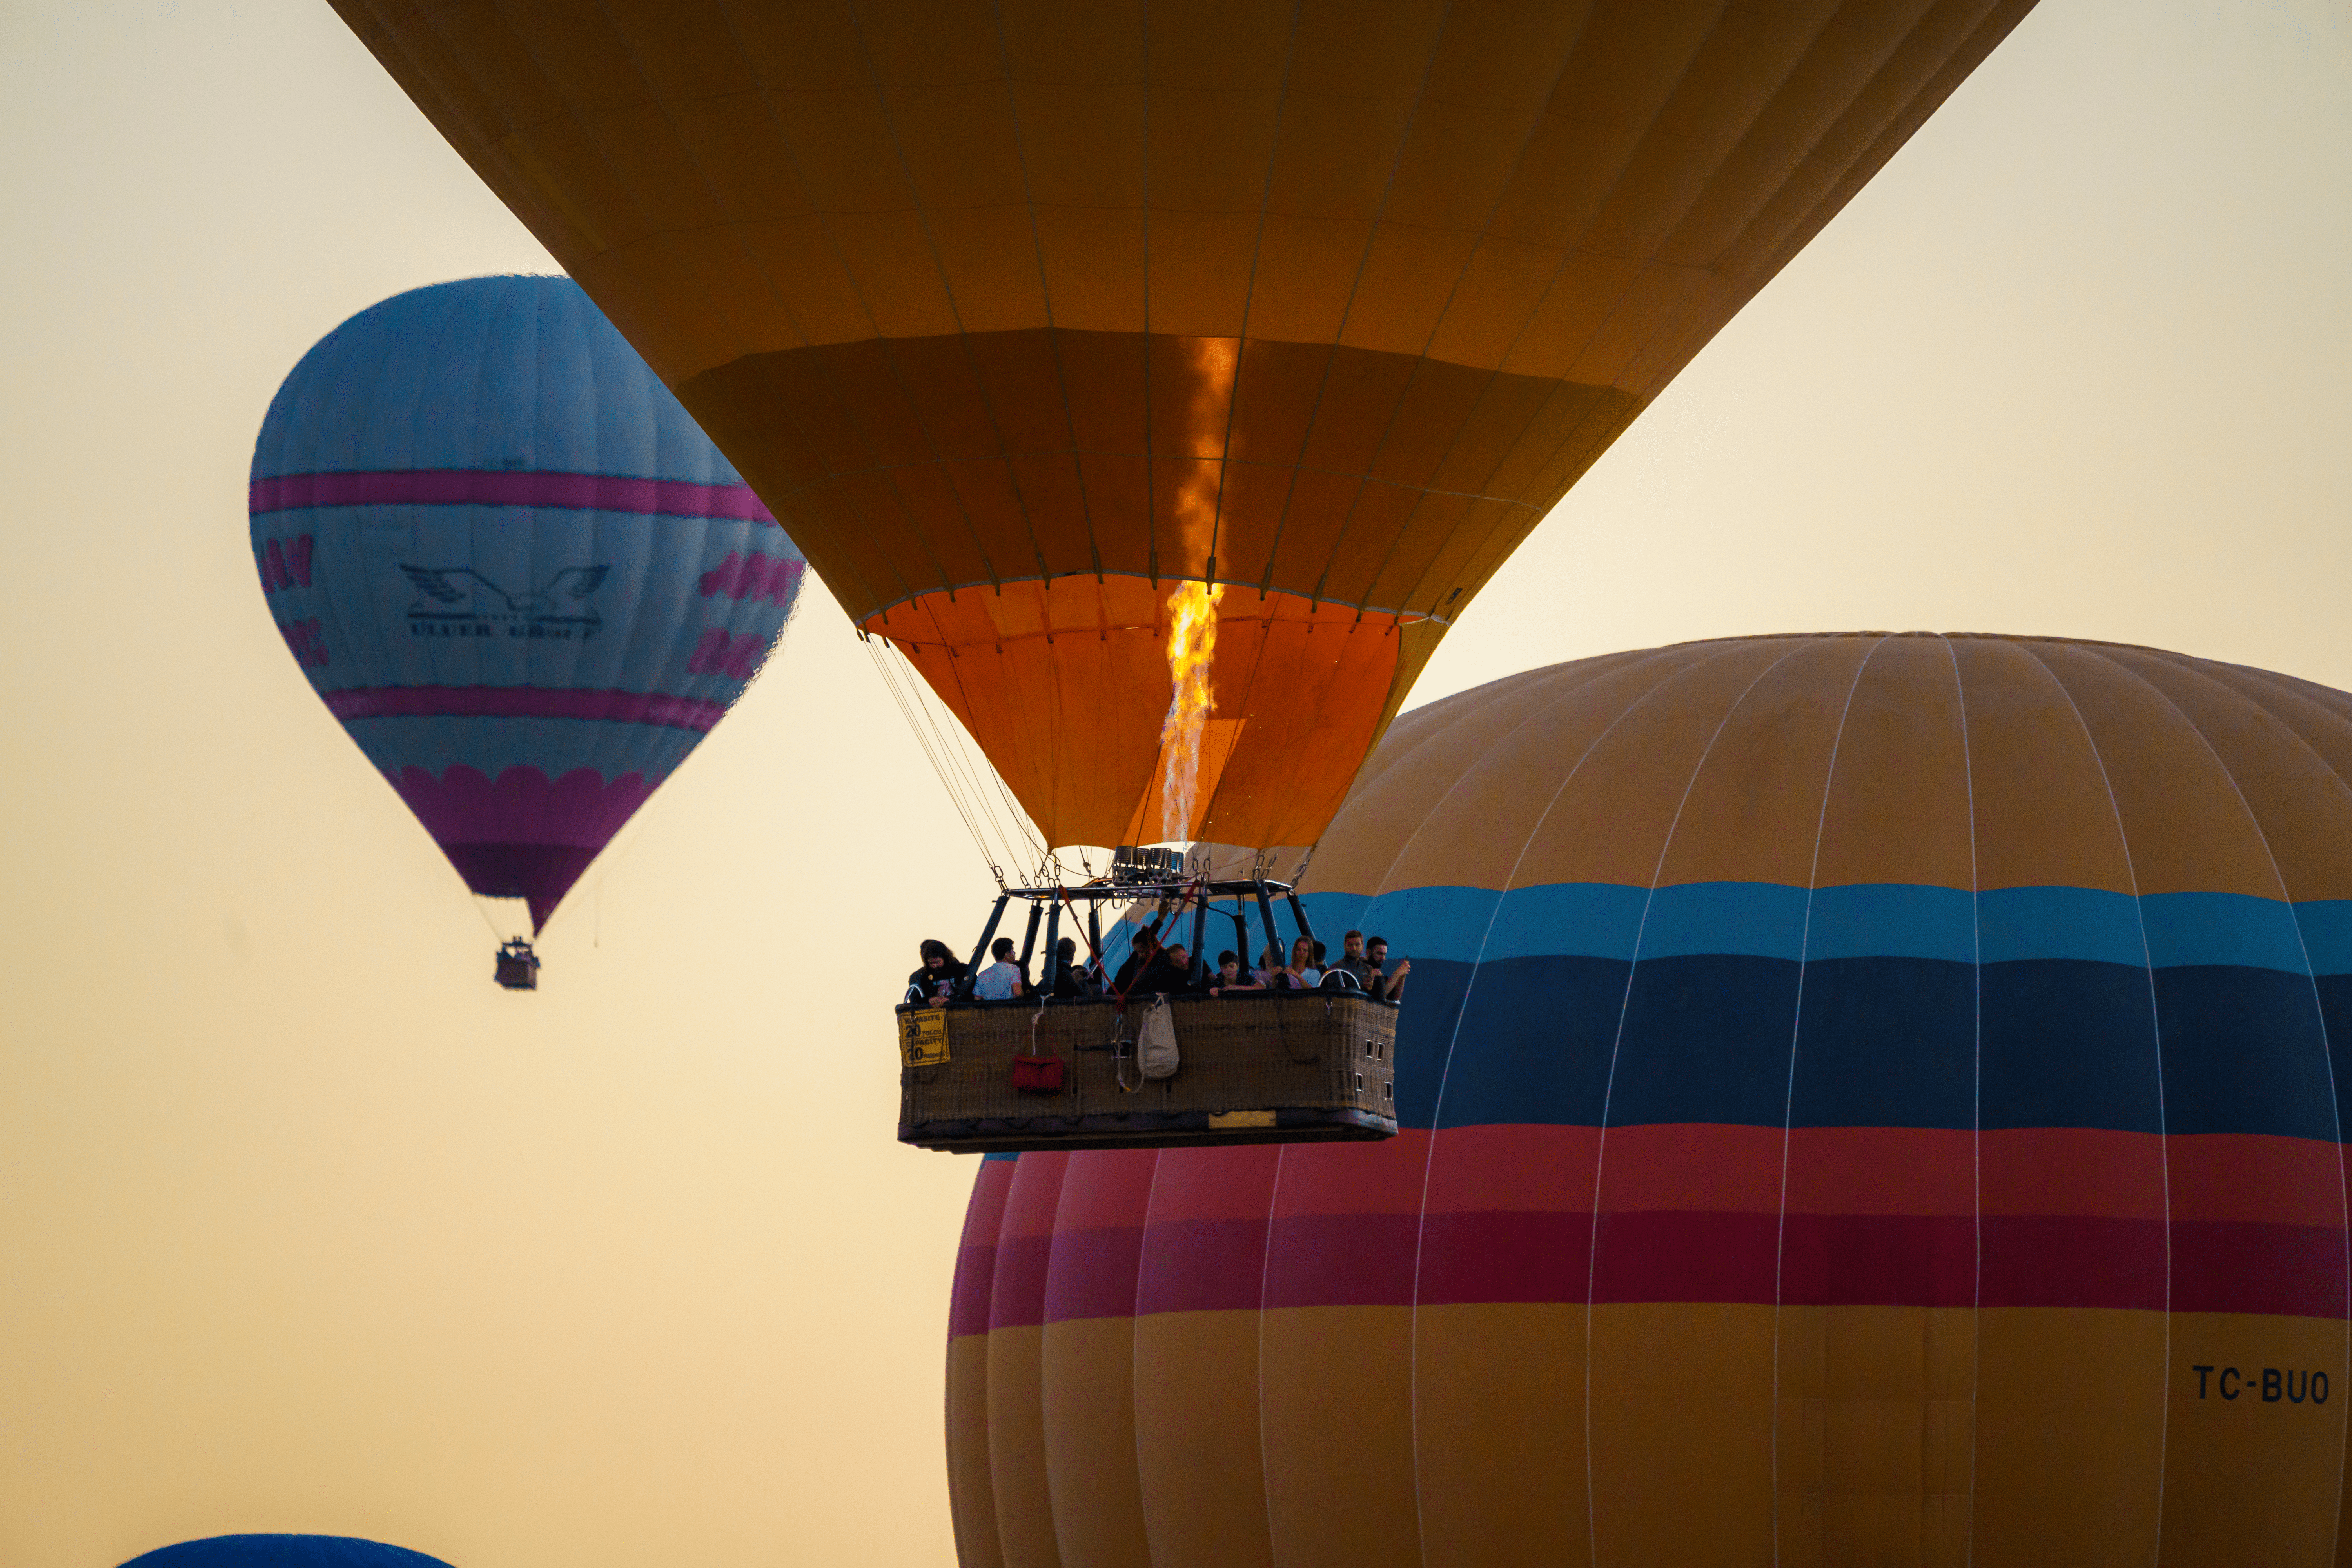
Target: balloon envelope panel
1866 1098
1018 313
514 568
283 1551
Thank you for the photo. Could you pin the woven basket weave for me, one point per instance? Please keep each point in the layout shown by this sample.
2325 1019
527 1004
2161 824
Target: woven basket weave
1256 1068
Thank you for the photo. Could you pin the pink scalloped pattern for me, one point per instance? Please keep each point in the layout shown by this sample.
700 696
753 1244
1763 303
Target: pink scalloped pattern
521 835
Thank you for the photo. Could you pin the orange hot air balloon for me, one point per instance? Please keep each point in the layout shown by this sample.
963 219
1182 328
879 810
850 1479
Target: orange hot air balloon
1019 316
1866 1100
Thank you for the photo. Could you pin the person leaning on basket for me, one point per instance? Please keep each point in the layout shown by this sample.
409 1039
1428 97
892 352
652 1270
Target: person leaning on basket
1170 973
937 976
1299 974
1001 981
1352 959
1229 980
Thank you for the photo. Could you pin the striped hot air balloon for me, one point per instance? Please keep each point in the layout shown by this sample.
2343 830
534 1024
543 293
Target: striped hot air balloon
513 567
1868 1100
1033 319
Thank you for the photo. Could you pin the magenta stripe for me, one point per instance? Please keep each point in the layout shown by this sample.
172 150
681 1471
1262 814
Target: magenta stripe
1829 1261
493 487
1886 1260
698 713
1017 1294
975 1272
1341 1260
2245 1266
1514 1255
1093 1273
1201 1265
2072 1260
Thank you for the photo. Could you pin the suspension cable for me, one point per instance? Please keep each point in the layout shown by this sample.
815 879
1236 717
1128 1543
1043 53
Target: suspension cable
1000 828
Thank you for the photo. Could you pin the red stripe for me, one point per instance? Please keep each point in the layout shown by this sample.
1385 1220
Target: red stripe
696 713
494 487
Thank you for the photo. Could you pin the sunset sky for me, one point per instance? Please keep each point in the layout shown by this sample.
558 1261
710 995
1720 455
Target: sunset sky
304 1225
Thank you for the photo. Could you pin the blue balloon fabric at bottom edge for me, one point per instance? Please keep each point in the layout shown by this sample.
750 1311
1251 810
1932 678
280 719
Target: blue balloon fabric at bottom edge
284 1551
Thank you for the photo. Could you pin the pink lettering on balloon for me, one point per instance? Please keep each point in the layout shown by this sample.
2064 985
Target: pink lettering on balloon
719 653
755 576
284 562
304 641
710 654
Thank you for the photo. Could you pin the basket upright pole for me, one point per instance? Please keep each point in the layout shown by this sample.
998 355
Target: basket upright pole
972 970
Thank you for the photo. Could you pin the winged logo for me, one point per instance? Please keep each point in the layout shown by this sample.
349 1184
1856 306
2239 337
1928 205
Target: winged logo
459 601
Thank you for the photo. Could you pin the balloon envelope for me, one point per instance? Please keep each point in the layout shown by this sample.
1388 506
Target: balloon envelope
1866 1099
283 1551
1017 314
512 566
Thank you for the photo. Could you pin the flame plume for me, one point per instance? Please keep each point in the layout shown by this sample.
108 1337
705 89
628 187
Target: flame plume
1192 647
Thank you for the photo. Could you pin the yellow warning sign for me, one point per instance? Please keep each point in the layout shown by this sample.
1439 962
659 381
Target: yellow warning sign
923 1036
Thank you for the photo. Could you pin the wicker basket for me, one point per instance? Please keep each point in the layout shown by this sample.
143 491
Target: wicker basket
1313 1065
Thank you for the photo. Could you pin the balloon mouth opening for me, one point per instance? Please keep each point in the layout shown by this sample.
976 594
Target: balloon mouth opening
519 886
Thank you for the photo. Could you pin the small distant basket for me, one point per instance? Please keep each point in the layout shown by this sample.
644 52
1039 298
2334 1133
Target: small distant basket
1310 1067
517 966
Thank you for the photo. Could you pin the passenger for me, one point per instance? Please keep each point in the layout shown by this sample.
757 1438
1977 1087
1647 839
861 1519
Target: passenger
1073 980
1319 951
1001 981
1139 959
1386 984
1352 959
1299 974
937 977
1169 974
1229 980
1269 968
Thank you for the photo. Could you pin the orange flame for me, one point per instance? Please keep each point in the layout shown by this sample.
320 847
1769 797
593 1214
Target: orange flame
1192 647
1192 608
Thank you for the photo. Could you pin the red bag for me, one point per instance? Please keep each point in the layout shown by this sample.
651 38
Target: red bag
1037 1075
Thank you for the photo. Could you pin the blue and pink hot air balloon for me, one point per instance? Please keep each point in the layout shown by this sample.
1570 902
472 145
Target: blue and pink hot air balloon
513 566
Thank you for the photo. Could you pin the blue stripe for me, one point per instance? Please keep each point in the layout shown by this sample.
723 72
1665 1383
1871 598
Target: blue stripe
1755 919
2232 928
2327 926
1878 1042
1893 919
2088 924
1878 920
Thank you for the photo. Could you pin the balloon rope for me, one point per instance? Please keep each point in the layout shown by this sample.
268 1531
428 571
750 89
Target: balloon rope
967 778
940 764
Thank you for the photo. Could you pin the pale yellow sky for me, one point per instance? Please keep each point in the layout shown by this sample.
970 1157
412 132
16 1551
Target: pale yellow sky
304 1225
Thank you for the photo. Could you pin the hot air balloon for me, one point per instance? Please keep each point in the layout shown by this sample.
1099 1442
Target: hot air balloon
283 1551
1162 381
513 567
1868 1100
